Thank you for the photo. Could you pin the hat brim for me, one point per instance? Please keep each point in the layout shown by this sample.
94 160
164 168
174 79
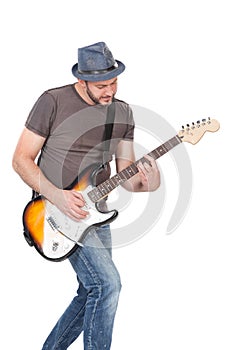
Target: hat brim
99 76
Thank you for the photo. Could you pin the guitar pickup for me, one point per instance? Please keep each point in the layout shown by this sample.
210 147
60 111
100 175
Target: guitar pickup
52 223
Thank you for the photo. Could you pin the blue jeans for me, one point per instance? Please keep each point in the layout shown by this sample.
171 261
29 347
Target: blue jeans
93 308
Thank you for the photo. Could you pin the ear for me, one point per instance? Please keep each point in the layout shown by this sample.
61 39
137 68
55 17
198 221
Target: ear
82 83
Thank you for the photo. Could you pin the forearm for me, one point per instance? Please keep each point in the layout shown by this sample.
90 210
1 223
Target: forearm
69 202
31 174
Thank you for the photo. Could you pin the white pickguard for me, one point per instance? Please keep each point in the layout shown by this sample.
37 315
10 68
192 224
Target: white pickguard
62 233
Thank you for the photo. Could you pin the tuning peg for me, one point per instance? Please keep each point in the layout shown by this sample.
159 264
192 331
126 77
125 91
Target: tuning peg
188 125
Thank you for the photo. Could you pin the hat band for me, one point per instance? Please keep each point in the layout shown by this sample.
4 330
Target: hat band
101 71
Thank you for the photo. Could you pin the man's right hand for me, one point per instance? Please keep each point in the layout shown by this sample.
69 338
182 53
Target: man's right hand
70 202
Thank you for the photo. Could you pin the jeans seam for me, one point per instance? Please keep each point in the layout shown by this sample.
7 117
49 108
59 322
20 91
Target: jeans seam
97 281
68 328
94 276
93 320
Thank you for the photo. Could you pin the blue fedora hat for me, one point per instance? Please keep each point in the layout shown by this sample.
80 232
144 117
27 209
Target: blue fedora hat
96 63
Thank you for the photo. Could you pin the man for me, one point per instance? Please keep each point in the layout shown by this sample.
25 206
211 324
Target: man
65 127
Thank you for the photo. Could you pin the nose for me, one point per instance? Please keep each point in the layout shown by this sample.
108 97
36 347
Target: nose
109 90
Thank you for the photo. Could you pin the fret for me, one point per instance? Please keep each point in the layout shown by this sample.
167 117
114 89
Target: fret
111 183
160 151
94 195
169 145
129 172
108 184
157 153
175 141
164 148
116 180
102 188
134 168
178 139
122 175
99 193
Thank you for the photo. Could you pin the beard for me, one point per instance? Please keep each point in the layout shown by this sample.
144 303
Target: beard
95 99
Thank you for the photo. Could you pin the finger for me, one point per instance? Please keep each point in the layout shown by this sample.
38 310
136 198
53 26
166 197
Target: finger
76 205
77 194
74 216
77 215
142 170
140 167
79 207
145 167
79 200
152 161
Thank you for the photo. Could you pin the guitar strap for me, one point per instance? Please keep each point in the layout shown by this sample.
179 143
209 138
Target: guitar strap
108 132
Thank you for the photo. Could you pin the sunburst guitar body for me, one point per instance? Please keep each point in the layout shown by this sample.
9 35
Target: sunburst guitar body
55 235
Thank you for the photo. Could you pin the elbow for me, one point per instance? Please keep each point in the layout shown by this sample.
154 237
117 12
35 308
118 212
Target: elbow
15 163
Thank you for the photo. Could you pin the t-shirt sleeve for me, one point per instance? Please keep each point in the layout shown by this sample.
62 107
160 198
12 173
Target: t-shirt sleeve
42 115
129 134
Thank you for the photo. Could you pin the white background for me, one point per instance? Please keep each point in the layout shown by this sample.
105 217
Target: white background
177 289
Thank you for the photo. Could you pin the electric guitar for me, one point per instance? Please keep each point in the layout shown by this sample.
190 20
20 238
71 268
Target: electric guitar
56 236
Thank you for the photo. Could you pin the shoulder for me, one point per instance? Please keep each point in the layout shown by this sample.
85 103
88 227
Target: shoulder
121 103
60 91
124 112
123 106
63 96
51 96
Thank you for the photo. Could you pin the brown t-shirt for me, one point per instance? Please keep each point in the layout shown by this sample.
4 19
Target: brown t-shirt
74 132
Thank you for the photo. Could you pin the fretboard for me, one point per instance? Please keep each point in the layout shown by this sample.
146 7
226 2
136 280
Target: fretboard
107 186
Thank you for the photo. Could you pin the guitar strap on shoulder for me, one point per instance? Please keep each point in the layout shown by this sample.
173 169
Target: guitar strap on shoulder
108 131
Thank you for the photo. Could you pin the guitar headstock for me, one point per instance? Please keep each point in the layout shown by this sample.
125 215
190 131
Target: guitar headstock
192 133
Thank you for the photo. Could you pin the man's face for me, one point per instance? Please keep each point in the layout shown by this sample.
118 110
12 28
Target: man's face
101 92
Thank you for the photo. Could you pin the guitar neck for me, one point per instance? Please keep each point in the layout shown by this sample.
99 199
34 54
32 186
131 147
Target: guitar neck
107 186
